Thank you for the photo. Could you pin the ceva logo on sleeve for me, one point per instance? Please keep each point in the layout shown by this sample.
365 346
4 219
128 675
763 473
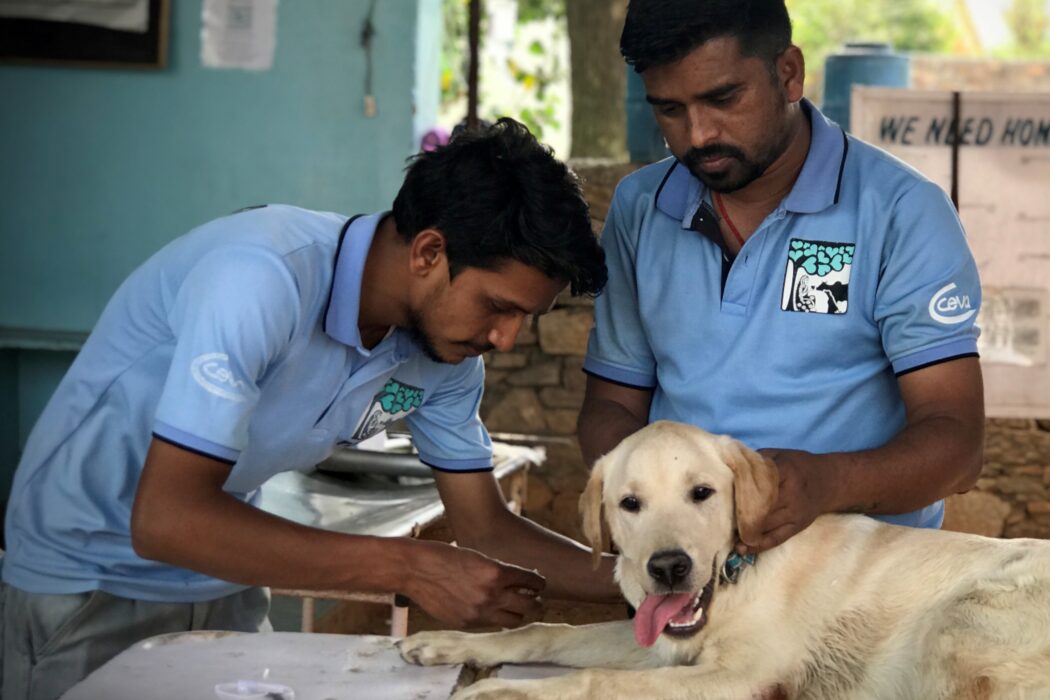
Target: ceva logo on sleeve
949 308
212 371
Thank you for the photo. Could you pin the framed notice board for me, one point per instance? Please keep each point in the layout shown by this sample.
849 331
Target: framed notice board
993 150
26 39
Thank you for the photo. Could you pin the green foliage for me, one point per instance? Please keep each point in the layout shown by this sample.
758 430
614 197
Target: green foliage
823 26
539 108
454 53
532 10
1029 24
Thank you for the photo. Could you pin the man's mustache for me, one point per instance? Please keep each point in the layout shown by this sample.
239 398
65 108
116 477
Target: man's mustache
694 156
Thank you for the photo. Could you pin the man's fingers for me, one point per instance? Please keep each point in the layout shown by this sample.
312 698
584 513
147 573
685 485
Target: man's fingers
509 610
527 605
514 577
777 519
503 618
772 538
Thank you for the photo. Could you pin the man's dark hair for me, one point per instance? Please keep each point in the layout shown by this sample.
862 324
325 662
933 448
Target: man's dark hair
658 32
498 194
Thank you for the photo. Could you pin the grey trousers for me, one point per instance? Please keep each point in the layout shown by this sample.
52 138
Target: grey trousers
51 642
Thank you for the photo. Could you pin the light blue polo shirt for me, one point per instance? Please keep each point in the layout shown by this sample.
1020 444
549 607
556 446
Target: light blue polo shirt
860 275
239 341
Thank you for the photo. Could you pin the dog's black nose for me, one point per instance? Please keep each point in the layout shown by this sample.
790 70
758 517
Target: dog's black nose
670 567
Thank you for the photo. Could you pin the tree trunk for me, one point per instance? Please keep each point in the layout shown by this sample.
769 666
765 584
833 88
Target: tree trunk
598 78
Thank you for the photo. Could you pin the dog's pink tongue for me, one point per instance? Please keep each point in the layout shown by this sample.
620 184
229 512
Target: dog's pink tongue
654 613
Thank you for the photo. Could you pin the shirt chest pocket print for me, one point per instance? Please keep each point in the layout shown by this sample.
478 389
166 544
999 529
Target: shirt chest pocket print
816 278
393 402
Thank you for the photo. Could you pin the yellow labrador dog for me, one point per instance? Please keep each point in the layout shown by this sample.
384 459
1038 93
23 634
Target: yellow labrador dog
848 608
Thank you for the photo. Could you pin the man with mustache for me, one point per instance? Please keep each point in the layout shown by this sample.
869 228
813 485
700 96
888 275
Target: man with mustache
254 345
783 282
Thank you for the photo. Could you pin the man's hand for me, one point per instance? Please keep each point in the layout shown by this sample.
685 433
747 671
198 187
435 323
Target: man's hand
465 588
805 493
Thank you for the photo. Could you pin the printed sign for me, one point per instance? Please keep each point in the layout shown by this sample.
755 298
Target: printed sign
1004 203
238 34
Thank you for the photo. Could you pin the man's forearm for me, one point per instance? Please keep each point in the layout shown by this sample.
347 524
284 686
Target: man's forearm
602 425
925 462
182 517
236 542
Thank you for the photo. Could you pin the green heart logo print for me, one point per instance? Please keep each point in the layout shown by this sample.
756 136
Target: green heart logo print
394 401
817 276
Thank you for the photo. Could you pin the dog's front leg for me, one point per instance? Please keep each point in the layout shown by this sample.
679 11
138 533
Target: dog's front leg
605 644
671 683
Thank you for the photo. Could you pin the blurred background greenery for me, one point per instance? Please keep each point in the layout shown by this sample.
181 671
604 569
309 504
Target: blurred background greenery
555 66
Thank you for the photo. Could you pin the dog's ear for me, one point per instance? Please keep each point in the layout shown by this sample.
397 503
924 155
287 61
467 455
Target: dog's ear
756 484
594 529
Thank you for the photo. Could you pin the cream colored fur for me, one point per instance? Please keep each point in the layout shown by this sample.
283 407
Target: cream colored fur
850 608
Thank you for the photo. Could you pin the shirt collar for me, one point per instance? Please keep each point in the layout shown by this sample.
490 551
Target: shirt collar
344 301
817 187
820 181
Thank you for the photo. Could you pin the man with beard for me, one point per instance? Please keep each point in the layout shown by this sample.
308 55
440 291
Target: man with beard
254 345
784 283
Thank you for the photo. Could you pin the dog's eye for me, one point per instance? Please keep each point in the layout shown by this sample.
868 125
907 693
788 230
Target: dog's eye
701 493
631 504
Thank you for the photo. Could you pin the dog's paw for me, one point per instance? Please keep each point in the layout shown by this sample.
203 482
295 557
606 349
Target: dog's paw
498 689
435 648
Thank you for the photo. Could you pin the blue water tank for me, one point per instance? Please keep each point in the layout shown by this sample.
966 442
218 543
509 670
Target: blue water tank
645 143
861 64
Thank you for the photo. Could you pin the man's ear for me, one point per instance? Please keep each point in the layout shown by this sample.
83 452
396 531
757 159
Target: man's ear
791 72
427 251
756 484
594 529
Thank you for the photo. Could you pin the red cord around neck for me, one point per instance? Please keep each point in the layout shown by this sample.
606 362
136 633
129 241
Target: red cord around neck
725 217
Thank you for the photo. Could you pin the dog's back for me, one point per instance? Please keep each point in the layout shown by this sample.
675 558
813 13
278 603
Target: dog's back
881 610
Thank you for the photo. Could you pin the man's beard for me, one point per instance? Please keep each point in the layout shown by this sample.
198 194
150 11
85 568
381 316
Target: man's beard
748 169
727 180
420 336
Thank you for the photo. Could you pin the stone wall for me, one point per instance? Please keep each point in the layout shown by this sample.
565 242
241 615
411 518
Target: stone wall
538 389
930 72
945 73
1012 498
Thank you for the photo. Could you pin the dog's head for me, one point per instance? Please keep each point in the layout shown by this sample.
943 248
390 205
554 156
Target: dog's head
675 499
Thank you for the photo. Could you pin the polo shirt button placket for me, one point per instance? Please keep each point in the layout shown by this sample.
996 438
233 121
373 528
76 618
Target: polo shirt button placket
741 281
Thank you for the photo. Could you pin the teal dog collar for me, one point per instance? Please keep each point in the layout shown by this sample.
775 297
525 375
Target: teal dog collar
734 563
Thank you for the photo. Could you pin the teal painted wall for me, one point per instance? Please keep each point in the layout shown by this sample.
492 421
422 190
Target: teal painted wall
8 424
101 167
39 372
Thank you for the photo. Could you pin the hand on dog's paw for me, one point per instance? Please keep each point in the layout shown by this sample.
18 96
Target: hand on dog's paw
434 648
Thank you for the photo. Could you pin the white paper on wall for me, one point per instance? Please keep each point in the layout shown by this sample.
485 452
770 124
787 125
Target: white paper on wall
238 34
119 15
1012 321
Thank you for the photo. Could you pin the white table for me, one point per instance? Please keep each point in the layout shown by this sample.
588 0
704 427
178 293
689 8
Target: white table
189 665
